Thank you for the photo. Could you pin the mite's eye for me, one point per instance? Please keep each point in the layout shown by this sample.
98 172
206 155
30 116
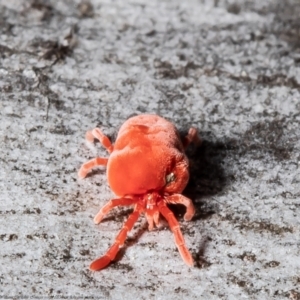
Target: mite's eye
170 178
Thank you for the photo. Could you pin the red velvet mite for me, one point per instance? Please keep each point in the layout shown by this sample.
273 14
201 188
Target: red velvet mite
147 168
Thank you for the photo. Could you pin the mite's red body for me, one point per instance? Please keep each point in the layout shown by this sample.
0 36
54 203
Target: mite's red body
147 168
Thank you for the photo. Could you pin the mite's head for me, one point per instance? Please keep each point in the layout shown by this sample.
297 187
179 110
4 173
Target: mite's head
138 170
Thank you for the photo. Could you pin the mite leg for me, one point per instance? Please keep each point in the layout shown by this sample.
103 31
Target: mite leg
111 204
156 218
95 162
192 137
149 217
180 199
103 139
179 240
152 217
109 256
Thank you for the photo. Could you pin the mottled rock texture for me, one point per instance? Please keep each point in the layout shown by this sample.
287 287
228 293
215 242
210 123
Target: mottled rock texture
229 68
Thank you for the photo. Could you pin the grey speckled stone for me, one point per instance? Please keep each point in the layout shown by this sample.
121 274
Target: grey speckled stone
232 69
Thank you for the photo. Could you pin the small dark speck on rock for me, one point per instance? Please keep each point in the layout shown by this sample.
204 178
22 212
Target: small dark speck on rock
8 237
151 33
86 9
120 266
179 289
84 252
234 8
246 256
272 264
294 295
44 7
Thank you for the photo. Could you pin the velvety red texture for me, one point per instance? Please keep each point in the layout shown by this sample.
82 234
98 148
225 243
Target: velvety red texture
147 149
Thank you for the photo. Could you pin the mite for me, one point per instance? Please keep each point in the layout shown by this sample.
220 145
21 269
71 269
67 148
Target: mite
146 168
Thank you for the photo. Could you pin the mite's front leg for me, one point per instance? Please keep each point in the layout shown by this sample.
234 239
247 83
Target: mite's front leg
103 139
110 255
179 240
95 162
180 199
152 217
111 204
192 137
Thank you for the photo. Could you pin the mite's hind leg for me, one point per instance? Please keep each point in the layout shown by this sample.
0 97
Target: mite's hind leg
95 162
192 137
103 139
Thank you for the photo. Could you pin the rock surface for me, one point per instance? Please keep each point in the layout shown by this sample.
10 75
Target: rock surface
231 69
